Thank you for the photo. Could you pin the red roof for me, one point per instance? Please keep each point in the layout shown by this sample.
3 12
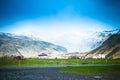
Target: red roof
19 57
42 54
83 56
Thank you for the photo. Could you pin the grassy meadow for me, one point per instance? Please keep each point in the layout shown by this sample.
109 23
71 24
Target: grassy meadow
91 69
50 62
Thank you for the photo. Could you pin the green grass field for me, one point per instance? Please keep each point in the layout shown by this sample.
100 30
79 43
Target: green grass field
91 69
42 62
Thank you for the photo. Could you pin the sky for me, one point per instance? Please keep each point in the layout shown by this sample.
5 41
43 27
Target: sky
54 20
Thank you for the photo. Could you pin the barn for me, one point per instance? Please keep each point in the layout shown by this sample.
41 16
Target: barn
19 57
42 56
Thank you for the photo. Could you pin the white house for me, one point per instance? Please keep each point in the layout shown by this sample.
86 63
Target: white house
42 56
99 56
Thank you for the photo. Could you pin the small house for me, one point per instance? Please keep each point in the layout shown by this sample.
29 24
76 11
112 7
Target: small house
19 57
98 56
65 56
42 56
82 57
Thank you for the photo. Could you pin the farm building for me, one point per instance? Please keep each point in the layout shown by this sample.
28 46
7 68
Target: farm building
81 56
99 56
66 56
42 56
19 57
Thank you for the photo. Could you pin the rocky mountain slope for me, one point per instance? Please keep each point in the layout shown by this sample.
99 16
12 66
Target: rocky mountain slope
99 37
110 47
11 44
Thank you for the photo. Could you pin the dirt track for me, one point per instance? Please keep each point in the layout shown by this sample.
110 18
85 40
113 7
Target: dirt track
48 73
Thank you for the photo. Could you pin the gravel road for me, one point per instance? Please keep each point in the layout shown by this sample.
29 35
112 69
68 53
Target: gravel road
49 73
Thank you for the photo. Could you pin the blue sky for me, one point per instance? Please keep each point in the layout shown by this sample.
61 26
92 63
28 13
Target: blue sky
105 11
58 17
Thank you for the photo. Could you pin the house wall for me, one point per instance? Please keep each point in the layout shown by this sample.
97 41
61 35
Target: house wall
42 57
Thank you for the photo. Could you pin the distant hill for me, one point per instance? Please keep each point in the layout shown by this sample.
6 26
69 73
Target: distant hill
110 47
11 44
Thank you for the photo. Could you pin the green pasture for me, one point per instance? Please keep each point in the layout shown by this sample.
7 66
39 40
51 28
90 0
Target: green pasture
91 69
42 62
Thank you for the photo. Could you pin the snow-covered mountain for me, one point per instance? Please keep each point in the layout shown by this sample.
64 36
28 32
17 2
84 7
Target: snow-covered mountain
33 35
84 41
99 37
110 48
11 44
76 42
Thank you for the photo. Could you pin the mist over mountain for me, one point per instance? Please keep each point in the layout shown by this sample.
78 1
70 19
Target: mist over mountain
11 44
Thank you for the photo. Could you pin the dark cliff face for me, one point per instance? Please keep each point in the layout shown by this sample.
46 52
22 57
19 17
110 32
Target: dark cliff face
16 45
113 45
110 47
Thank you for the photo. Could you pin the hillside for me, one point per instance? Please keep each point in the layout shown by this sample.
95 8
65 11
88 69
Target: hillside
111 47
11 44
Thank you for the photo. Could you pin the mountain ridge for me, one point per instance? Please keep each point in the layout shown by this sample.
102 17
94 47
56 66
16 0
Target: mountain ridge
80 42
110 48
11 44
101 37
